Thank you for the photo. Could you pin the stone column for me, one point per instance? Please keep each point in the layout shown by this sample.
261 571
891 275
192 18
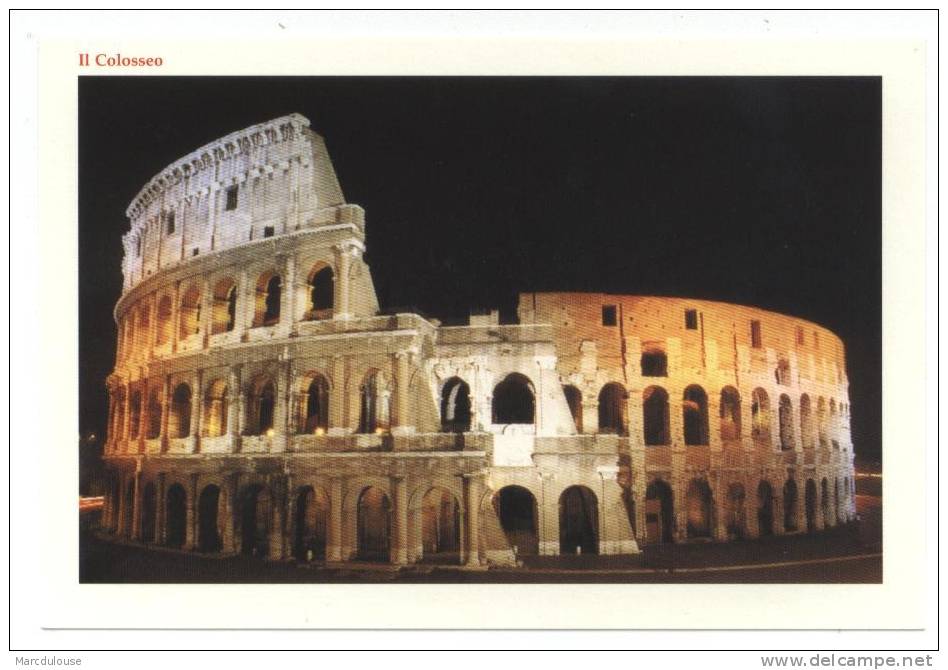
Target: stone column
230 509
144 415
235 402
190 532
403 422
288 308
337 399
176 316
137 508
277 517
399 549
548 523
165 407
161 526
751 505
246 304
343 254
778 508
615 531
207 310
197 398
714 421
719 507
590 416
801 504
335 539
471 491
126 420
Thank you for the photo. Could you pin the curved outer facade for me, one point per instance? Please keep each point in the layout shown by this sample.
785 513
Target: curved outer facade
260 403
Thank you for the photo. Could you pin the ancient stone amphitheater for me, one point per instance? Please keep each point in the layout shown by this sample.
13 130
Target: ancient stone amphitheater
261 403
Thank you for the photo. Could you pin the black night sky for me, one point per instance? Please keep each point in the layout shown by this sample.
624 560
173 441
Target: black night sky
762 191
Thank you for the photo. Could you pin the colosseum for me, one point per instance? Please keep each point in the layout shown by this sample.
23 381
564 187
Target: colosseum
261 402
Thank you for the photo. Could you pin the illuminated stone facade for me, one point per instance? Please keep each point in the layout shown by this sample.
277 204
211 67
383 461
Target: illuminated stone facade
260 403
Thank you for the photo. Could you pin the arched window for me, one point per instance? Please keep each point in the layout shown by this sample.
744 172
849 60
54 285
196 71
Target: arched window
262 405
189 319
760 414
315 406
374 414
179 420
654 361
163 333
695 415
215 409
224 314
455 406
782 373
154 413
135 415
574 398
612 409
655 416
730 414
267 305
320 284
513 400
806 422
786 423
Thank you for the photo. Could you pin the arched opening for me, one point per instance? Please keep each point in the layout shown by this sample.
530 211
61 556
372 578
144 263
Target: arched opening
135 415
736 521
224 311
782 372
163 331
806 422
790 506
209 535
216 406
699 509
154 413
149 512
659 513
262 405
315 406
695 415
579 521
786 423
760 415
574 399
810 505
440 526
612 409
254 521
189 318
176 516
654 362
267 302
730 414
374 410
517 510
513 400
179 420
824 502
310 524
374 525
127 520
455 406
765 509
320 282
655 416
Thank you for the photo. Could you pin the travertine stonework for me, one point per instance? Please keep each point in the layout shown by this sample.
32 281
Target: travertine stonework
261 404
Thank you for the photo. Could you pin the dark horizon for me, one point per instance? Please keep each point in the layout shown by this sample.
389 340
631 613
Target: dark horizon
758 191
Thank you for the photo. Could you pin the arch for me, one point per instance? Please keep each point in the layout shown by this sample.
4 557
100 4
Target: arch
655 416
179 419
613 400
154 413
176 516
574 400
374 403
149 512
695 415
440 526
261 407
135 415
209 535
254 511
790 506
654 361
517 510
806 422
699 507
730 414
189 314
659 513
810 503
267 299
455 406
736 515
310 524
373 525
216 407
765 508
579 521
320 283
224 310
314 406
760 414
785 417
513 400
163 325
